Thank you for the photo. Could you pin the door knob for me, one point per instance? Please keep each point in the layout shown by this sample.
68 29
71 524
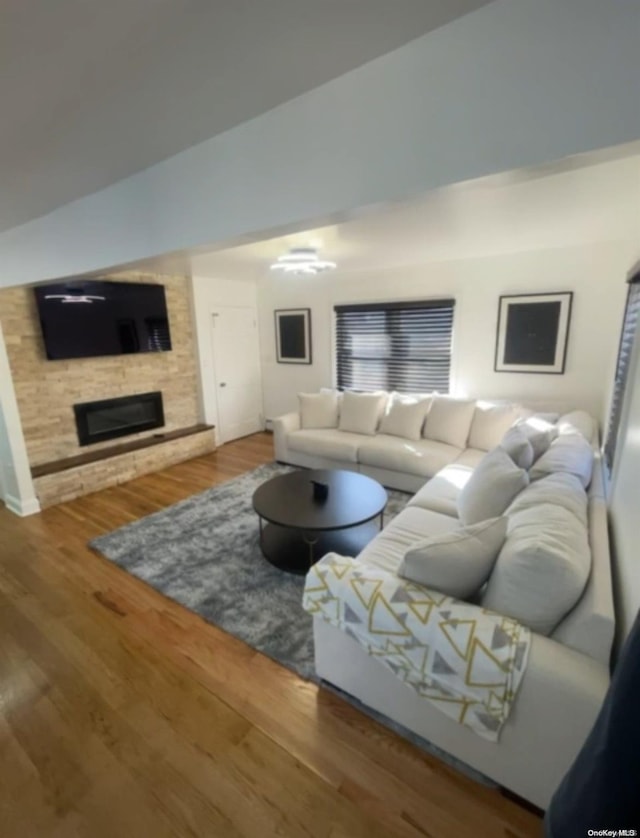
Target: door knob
223 383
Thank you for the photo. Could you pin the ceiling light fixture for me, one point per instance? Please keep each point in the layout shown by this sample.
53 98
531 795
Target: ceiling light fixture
302 260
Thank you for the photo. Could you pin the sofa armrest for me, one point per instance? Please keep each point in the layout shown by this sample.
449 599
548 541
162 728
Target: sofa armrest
559 698
282 427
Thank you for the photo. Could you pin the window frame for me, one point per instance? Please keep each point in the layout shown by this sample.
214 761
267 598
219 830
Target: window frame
617 403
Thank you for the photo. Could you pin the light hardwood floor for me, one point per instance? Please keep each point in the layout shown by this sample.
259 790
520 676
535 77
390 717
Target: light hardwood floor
124 715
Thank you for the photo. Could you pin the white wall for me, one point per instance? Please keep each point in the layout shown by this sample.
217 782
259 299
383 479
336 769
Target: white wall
596 274
517 83
208 293
16 484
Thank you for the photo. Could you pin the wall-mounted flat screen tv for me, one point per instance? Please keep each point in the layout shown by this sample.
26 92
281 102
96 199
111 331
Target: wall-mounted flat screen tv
81 319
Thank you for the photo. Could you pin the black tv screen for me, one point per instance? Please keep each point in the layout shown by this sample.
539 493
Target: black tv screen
95 317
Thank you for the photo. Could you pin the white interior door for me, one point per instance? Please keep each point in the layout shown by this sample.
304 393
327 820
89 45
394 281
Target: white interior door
236 363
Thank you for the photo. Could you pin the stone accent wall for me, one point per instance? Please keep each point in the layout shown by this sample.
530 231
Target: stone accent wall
75 482
47 390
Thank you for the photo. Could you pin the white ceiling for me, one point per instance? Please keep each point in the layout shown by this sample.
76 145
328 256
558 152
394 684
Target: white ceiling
581 200
92 91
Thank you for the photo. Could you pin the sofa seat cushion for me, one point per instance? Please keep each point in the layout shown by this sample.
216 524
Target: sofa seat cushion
470 457
440 494
330 443
424 458
542 569
407 529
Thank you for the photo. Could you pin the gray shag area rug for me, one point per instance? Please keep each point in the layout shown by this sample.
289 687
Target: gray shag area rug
204 553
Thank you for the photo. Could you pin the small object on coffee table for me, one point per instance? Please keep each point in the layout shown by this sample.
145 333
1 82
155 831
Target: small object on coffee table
320 490
296 530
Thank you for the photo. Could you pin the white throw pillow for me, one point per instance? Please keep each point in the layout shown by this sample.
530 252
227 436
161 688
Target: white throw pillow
318 410
360 413
578 421
493 485
449 420
570 453
338 393
405 416
540 433
456 563
518 447
490 423
542 569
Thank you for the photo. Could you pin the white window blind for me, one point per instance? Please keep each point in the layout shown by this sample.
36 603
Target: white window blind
395 346
629 328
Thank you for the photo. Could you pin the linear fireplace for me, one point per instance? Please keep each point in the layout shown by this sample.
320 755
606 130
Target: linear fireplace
111 418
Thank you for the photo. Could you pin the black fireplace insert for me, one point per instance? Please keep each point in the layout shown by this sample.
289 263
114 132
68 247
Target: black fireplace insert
111 418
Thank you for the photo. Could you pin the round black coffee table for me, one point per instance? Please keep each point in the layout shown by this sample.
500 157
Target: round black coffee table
299 529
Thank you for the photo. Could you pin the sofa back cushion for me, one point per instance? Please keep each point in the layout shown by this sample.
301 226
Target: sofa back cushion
560 489
449 420
569 453
578 421
405 416
318 410
493 485
490 423
456 563
542 569
360 413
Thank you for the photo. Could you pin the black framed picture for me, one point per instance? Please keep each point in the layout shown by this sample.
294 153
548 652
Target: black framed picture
533 332
293 335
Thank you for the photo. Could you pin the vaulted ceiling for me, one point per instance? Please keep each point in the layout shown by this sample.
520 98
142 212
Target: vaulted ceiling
92 91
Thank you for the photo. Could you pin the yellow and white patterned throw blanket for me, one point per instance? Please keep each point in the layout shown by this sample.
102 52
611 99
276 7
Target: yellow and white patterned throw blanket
467 661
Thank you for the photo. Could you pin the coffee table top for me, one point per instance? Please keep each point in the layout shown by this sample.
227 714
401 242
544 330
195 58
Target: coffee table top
288 500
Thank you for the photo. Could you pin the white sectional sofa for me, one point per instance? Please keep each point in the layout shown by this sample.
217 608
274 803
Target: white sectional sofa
568 669
398 462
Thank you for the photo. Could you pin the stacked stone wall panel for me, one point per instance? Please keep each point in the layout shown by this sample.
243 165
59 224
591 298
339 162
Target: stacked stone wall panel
47 390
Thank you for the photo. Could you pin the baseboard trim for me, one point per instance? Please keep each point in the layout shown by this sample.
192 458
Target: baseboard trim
30 506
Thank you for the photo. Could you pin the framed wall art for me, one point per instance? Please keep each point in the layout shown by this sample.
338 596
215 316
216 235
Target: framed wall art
293 335
533 332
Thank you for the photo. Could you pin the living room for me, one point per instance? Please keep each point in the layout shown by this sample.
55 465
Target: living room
552 212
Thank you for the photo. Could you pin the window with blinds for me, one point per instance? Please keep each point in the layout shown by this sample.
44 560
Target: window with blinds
395 346
629 327
158 335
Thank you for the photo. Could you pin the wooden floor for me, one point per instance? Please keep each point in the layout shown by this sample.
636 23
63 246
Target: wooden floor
122 714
